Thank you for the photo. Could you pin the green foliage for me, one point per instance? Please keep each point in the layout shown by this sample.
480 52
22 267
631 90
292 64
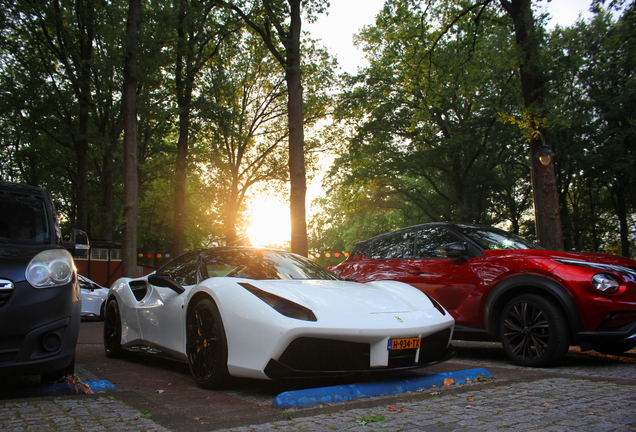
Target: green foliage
432 130
370 419
431 141
440 127
594 95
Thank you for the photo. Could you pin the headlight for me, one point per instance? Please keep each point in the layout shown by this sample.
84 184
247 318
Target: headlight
282 305
605 283
50 268
438 306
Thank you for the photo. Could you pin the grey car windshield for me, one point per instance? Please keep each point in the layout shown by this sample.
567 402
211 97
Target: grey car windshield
496 239
23 220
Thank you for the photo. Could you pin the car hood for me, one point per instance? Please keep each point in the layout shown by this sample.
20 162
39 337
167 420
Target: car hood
347 298
547 254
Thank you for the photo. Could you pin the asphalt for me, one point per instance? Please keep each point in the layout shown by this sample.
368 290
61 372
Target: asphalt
588 392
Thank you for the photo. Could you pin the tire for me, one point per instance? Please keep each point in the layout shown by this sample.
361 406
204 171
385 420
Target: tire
207 345
112 330
56 376
534 331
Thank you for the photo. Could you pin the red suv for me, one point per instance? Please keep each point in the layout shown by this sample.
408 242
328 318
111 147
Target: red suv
501 287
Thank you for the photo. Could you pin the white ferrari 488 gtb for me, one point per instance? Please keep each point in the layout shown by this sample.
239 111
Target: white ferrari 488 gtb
269 314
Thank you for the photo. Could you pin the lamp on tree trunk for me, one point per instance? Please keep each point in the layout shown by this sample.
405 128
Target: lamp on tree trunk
546 200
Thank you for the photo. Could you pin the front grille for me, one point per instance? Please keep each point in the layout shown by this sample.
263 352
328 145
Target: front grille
402 358
617 320
314 354
4 297
6 290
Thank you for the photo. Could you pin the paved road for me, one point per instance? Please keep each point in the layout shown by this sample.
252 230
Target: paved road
588 392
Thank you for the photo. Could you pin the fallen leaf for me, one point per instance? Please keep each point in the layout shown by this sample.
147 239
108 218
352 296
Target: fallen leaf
448 382
396 409
470 399
75 382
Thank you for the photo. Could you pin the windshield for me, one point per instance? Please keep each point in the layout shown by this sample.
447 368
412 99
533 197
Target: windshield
23 220
254 263
496 239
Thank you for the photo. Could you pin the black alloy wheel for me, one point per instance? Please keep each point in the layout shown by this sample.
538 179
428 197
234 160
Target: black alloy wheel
112 330
207 345
534 331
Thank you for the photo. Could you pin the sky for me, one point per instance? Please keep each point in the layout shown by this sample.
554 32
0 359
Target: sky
347 17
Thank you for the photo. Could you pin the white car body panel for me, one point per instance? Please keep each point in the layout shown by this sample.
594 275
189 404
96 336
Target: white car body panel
370 313
93 297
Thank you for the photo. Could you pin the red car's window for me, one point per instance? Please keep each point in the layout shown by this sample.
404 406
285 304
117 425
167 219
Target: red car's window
430 242
495 239
423 243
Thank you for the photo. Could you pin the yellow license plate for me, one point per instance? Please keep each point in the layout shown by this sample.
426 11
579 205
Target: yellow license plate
400 344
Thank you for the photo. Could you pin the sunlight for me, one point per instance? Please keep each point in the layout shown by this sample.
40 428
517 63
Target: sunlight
269 222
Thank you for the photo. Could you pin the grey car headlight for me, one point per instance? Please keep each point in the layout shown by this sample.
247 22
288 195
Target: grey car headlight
605 283
50 268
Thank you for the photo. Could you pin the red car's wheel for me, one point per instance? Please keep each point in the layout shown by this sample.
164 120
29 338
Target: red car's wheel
534 331
207 345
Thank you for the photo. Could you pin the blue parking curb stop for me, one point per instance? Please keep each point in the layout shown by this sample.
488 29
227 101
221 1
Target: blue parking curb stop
63 389
341 393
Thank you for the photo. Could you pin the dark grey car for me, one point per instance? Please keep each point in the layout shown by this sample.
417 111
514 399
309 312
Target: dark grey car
40 300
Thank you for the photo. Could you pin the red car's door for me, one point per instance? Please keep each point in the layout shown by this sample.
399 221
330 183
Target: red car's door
418 258
455 284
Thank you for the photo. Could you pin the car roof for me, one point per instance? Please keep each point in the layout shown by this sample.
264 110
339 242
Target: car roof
453 225
21 188
414 228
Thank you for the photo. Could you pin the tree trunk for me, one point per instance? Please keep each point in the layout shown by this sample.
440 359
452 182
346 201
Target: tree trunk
180 176
297 177
129 107
106 223
546 199
184 89
84 11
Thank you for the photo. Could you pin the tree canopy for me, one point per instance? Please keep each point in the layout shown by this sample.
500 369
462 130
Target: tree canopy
435 128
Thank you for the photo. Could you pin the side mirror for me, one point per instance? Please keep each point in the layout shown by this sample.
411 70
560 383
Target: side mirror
456 250
78 244
164 280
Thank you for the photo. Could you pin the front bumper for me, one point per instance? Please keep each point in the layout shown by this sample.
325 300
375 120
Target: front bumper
613 336
315 357
39 330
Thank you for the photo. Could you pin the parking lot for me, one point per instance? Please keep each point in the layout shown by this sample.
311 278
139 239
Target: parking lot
587 392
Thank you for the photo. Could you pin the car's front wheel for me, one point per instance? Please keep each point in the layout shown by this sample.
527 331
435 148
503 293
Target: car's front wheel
112 330
534 331
207 345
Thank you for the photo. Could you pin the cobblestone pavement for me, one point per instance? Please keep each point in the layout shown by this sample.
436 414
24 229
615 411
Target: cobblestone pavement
554 404
81 413
586 393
